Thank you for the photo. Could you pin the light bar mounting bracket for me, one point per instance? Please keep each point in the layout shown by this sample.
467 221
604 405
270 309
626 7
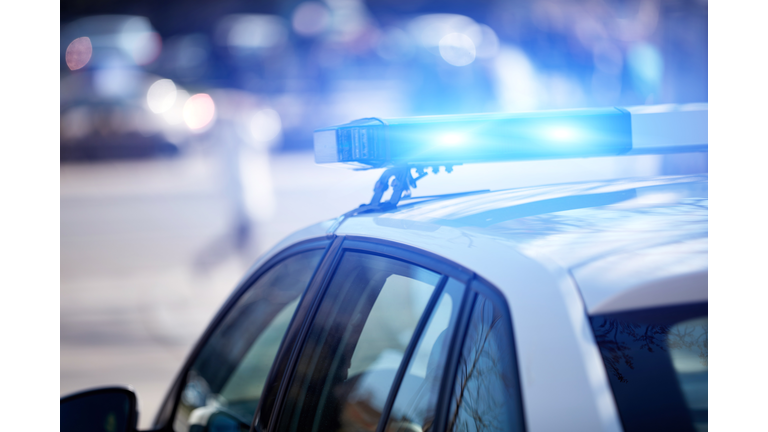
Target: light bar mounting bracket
403 179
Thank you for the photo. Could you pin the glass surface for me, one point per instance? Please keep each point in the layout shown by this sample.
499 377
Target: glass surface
229 373
414 406
486 392
657 365
688 348
356 344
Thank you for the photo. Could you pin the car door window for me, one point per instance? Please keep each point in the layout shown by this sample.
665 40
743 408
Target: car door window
226 379
356 343
486 391
414 406
657 364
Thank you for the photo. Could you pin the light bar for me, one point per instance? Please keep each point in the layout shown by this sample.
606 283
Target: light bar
557 134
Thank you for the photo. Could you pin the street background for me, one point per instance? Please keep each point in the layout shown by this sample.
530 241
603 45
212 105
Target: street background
134 296
186 136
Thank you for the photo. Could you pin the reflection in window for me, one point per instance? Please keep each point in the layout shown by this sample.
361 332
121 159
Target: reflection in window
414 406
248 379
687 343
356 344
486 391
657 366
229 373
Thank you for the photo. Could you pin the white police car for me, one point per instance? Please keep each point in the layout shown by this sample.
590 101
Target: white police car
579 306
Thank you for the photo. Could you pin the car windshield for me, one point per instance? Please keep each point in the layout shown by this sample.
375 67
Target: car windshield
656 361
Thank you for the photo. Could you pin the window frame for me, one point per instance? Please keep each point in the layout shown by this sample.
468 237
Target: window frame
476 288
666 315
282 372
167 412
474 285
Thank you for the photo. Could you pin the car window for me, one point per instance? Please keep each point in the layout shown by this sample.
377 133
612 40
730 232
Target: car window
486 390
414 406
226 379
356 343
656 361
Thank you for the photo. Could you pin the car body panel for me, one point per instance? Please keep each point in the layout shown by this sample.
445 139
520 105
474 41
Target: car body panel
664 275
657 226
560 369
558 254
546 249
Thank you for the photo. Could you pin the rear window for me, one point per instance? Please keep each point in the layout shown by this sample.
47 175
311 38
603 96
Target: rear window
656 361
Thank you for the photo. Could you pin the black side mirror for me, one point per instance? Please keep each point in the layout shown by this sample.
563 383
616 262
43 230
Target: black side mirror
109 409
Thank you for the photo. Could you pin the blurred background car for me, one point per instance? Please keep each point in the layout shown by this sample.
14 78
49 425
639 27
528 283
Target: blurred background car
186 135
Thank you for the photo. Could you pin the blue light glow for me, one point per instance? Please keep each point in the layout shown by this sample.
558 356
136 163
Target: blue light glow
562 134
495 137
451 139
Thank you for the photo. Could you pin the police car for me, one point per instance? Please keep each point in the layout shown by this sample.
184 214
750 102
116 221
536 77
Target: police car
579 306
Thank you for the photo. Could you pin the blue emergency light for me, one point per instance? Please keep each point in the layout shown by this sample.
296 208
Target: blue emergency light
557 134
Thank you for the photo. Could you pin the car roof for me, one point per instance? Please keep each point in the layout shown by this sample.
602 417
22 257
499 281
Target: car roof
576 223
627 243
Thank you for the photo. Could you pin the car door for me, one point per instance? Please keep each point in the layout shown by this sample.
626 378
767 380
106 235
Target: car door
221 383
399 340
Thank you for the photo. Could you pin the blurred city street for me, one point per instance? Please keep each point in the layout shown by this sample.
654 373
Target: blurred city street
132 301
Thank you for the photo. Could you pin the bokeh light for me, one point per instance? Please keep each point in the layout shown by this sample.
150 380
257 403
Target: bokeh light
137 38
488 45
198 111
310 18
431 28
518 86
265 125
350 20
647 67
252 32
457 49
175 115
161 96
78 53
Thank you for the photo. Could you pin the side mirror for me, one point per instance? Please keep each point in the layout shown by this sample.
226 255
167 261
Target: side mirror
109 409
